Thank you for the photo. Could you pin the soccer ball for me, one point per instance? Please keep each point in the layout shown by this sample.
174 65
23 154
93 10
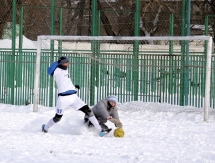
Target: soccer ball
119 132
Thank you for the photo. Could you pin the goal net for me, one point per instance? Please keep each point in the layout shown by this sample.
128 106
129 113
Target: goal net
174 70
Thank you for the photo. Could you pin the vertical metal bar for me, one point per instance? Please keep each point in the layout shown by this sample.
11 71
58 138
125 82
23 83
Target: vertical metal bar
197 81
150 77
171 32
30 76
93 46
207 80
19 64
201 79
175 97
206 32
212 82
192 88
52 49
147 78
186 86
153 77
24 74
123 79
13 51
108 78
165 78
199 76
52 19
178 84
170 54
98 69
60 31
135 66
1 76
183 27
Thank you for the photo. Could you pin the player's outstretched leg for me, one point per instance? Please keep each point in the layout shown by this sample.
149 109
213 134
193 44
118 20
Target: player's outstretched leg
105 130
87 121
51 122
43 128
93 120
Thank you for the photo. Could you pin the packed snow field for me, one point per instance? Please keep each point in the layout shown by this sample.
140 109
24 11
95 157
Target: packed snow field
154 133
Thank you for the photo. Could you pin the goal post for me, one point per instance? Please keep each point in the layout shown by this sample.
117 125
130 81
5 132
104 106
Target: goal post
208 80
53 38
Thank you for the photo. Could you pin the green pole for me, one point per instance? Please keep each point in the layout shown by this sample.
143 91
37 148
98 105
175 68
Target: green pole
206 32
97 49
186 86
93 47
171 33
52 19
183 27
19 64
21 29
52 49
97 54
60 31
135 67
13 51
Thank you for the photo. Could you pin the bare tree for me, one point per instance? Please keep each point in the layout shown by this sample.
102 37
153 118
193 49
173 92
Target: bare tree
117 17
105 21
6 10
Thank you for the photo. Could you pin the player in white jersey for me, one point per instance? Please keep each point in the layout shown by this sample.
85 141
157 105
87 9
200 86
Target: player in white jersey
67 96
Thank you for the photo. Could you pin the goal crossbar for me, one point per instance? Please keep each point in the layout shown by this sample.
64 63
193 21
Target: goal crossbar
171 38
165 38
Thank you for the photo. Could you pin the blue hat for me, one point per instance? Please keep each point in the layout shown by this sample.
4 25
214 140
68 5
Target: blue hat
63 60
112 98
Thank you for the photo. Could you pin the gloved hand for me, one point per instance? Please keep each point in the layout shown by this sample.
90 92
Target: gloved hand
77 86
116 122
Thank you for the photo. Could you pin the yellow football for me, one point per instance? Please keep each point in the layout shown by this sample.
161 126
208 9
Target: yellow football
119 132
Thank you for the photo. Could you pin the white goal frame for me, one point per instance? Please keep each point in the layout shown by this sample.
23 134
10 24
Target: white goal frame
165 38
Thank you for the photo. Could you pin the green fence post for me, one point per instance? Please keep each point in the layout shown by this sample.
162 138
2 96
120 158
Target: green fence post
12 74
206 32
171 33
52 20
93 48
186 88
97 54
52 49
135 67
60 31
183 27
19 64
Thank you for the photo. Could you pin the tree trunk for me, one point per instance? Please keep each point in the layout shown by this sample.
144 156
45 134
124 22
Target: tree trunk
105 22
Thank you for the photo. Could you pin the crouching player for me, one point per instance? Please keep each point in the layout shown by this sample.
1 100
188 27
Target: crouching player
105 110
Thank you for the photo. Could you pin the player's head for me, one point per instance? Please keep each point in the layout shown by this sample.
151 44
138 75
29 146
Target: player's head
64 61
112 100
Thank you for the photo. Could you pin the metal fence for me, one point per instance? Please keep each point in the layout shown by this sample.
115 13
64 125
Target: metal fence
158 75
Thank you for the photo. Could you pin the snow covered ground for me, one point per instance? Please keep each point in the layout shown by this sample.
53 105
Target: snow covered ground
154 133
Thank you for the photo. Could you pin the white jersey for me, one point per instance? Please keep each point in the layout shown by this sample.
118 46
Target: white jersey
63 80
65 85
